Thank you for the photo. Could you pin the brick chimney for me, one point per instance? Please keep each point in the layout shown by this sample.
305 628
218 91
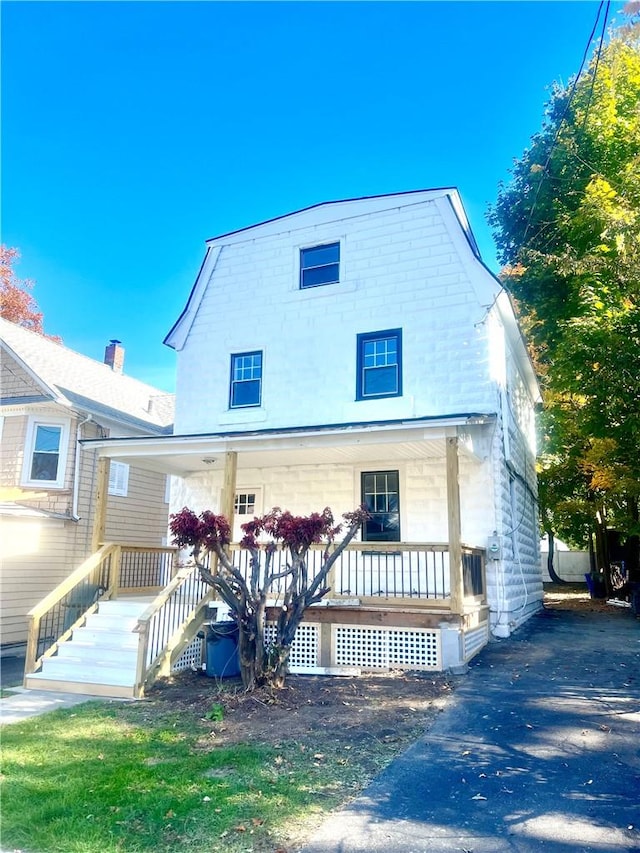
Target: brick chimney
114 356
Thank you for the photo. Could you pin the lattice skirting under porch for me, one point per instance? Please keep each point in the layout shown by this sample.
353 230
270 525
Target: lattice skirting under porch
361 646
305 650
191 657
386 648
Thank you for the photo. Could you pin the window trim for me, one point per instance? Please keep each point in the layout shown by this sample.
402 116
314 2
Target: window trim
118 479
365 338
237 505
364 474
29 449
232 381
302 268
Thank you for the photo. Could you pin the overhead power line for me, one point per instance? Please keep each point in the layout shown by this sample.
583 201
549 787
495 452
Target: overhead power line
566 107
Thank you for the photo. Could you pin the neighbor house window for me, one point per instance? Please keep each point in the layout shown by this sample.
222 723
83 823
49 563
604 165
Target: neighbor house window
380 495
320 265
379 364
246 379
118 479
45 453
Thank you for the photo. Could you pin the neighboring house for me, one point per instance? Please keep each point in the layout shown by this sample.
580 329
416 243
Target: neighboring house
355 352
51 398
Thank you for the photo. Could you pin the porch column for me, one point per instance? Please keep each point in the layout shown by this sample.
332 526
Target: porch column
453 519
228 495
100 514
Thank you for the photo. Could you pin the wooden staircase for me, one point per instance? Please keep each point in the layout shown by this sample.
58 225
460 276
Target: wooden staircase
100 657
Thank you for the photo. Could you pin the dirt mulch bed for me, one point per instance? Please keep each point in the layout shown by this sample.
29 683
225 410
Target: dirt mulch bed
386 709
390 709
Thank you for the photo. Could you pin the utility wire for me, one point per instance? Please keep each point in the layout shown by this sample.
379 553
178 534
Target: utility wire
563 116
595 70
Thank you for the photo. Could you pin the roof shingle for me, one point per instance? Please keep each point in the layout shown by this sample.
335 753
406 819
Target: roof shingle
83 383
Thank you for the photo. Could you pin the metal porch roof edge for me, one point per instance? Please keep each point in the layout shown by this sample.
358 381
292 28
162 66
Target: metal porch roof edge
451 420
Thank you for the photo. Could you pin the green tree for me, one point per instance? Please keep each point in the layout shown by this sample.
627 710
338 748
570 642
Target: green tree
567 227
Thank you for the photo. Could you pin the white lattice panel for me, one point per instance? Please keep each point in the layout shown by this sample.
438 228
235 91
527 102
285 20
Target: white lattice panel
383 648
305 649
191 657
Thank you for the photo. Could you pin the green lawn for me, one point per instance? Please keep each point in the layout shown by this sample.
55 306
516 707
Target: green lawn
106 777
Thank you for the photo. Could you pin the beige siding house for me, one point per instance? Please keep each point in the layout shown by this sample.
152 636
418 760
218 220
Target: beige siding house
51 397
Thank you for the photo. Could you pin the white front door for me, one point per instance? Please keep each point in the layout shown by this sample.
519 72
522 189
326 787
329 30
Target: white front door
248 503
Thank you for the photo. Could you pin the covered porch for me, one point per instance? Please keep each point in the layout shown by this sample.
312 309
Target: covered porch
418 602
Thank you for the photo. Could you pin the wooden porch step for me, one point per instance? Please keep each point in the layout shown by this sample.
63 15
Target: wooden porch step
61 669
35 681
100 657
92 654
108 621
105 638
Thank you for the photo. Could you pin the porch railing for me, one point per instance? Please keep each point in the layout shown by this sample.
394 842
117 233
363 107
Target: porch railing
101 576
145 569
169 623
473 572
389 570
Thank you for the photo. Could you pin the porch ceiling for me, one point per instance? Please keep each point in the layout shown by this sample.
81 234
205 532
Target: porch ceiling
187 463
183 455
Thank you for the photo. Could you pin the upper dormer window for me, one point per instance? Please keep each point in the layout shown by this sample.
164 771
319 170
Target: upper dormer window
320 265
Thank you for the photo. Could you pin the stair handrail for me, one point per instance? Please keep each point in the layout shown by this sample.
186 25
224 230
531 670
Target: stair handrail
158 661
35 616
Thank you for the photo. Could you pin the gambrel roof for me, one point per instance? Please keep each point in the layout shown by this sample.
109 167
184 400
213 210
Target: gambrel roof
325 211
446 200
55 373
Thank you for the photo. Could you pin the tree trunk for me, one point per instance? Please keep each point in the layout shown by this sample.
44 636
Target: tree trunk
251 647
603 568
550 567
632 547
280 667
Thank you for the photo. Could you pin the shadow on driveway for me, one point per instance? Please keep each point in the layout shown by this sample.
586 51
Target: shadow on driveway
538 751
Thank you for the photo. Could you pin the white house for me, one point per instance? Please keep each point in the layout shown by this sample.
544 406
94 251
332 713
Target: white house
359 351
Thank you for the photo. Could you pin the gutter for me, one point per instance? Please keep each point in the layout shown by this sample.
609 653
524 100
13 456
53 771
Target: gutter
76 469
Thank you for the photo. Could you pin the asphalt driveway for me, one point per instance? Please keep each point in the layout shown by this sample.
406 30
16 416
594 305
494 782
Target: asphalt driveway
538 751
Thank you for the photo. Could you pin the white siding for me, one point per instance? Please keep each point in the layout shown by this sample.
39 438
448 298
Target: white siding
309 488
407 266
401 268
514 583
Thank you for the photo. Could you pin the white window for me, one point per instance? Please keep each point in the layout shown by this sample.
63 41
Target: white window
45 454
118 479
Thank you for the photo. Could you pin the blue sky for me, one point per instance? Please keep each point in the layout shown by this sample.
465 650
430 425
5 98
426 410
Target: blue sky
132 132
